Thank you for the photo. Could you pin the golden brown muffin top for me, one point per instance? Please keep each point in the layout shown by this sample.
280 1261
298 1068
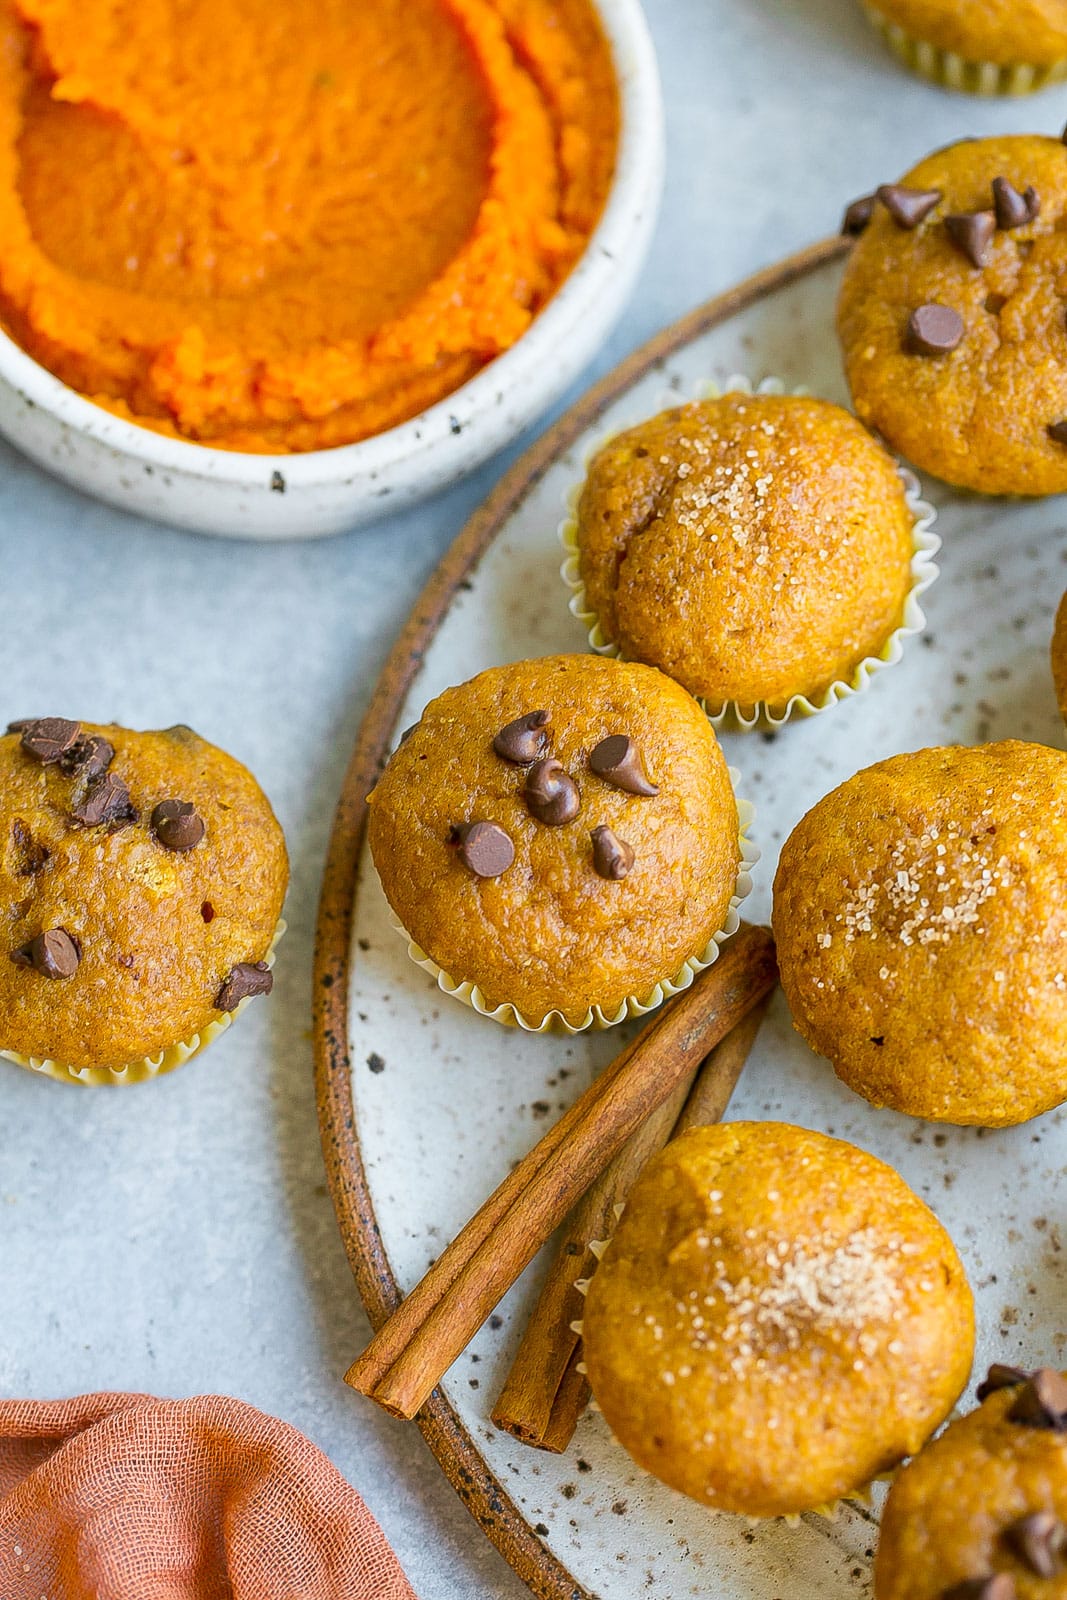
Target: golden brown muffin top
752 546
777 1320
1033 32
987 1500
978 413
128 928
922 932
1059 656
548 929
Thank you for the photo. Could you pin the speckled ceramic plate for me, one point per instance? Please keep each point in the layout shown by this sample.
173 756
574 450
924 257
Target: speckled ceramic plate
424 1105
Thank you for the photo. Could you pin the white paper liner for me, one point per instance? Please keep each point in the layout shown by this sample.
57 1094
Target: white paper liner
174 1055
924 571
633 1006
954 71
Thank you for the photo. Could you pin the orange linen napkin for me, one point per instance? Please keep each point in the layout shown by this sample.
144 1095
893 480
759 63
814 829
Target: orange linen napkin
123 1497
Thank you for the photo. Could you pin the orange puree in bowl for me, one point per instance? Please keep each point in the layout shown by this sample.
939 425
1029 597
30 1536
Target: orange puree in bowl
272 225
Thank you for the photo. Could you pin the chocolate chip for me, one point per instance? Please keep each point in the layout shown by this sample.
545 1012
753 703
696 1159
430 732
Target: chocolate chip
1014 210
30 857
551 794
1000 1377
908 207
88 757
54 954
858 215
1039 1541
23 722
1042 1402
933 330
998 1586
972 234
1057 431
618 761
49 738
177 825
483 847
105 800
612 857
523 741
247 978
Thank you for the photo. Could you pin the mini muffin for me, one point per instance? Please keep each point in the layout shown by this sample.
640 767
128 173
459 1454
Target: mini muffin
922 932
754 547
997 47
560 834
951 315
1059 657
141 883
777 1321
981 1514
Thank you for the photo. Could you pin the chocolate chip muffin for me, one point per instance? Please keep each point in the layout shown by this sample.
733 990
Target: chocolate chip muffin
777 1321
951 315
559 838
141 883
1059 657
922 932
757 548
997 47
981 1514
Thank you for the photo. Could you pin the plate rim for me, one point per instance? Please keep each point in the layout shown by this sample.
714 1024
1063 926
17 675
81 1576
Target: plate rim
452 1444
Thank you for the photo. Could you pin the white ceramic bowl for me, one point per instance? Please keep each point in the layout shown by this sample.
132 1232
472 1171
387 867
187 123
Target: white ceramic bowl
324 491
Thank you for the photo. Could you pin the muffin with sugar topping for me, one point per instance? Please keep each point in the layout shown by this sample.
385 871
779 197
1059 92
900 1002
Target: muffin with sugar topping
981 1514
777 1320
757 548
922 932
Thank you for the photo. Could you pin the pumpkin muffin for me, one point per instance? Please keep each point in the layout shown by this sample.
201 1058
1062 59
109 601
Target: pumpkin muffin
1059 657
560 837
951 315
922 932
982 1512
997 47
141 883
757 548
777 1321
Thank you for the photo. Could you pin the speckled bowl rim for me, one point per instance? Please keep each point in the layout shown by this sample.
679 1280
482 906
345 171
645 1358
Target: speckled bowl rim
950 70
731 714
469 994
140 1071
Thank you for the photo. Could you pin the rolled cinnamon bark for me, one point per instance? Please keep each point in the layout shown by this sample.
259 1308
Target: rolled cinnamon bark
411 1352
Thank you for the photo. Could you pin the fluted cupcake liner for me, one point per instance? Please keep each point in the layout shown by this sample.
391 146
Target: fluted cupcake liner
145 1067
635 1005
731 714
952 71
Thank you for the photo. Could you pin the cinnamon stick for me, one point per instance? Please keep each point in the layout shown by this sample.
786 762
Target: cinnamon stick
403 1363
368 1370
528 1399
545 1394
717 1079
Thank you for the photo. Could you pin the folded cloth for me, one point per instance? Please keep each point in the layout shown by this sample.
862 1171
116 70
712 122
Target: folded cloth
124 1497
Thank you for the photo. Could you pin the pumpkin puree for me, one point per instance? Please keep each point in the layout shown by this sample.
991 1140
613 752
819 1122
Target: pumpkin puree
245 224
